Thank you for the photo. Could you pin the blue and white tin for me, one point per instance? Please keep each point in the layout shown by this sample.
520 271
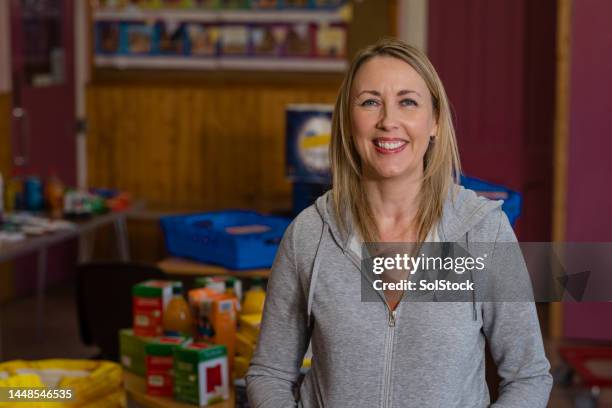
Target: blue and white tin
308 136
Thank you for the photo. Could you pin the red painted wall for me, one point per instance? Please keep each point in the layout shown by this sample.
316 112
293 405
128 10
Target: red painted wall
589 199
497 62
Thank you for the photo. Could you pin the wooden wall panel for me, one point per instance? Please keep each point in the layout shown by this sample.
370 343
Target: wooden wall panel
194 148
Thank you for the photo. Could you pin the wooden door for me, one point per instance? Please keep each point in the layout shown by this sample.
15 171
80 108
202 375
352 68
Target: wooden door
43 123
43 112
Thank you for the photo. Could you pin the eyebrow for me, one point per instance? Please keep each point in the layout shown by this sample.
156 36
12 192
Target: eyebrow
400 93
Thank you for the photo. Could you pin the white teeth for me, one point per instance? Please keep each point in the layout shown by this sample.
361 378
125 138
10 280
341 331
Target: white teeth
389 145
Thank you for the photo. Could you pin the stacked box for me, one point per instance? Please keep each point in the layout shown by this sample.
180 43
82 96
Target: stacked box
201 374
221 284
160 364
215 316
132 351
149 299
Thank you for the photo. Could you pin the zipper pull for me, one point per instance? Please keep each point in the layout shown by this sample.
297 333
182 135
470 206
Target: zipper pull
392 318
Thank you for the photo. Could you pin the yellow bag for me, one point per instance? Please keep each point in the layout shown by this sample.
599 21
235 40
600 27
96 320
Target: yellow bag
94 384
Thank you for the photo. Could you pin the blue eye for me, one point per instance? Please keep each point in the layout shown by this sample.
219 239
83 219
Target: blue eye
408 102
369 102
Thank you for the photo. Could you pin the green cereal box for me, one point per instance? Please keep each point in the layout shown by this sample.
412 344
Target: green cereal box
132 351
201 373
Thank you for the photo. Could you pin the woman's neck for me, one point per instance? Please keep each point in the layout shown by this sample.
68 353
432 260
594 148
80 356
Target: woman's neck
394 204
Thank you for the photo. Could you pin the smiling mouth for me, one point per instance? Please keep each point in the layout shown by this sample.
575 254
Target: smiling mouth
389 146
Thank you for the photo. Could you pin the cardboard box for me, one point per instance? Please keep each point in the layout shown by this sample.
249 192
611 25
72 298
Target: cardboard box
201 374
132 351
160 364
149 299
215 316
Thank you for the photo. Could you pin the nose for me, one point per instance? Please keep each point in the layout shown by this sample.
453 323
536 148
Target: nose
388 118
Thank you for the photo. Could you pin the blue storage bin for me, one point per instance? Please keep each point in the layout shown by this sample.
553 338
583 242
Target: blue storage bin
512 199
215 237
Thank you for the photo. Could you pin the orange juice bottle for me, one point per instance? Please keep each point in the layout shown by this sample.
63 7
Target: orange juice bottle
177 319
254 298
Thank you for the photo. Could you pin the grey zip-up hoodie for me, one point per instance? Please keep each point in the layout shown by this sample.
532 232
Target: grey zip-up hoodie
426 354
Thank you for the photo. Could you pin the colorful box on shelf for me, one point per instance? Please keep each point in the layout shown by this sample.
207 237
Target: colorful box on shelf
201 374
236 239
132 352
149 300
160 364
215 317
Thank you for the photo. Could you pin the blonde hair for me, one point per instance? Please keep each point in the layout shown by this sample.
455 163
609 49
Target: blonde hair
441 160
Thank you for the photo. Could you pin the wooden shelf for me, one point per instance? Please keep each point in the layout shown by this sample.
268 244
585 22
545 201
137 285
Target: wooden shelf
226 63
181 266
136 390
340 15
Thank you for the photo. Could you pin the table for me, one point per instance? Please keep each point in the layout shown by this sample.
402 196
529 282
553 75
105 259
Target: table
83 230
182 266
136 391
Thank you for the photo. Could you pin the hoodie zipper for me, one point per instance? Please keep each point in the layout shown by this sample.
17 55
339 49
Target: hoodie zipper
388 357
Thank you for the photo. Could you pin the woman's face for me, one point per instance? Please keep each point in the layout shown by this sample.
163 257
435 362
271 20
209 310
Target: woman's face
392 118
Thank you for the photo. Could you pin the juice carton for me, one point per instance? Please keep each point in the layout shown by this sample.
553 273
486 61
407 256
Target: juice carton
132 351
201 374
160 364
149 299
215 316
216 283
221 284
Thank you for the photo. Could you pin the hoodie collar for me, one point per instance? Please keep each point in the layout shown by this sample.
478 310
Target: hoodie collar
462 210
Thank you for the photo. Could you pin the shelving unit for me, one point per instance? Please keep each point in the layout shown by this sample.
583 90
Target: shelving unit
237 63
221 16
314 60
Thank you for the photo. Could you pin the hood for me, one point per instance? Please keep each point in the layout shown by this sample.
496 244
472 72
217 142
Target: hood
462 210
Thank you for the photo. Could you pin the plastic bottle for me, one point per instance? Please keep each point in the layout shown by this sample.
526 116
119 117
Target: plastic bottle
33 193
177 319
54 195
254 298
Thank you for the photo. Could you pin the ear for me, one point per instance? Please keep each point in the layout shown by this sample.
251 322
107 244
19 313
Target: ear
434 129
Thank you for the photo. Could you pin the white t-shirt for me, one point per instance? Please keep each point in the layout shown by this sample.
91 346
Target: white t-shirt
355 244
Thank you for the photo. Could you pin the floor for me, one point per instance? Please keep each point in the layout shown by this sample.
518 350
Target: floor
60 338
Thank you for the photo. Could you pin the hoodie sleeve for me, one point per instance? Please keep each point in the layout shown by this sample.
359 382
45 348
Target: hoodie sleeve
513 334
283 338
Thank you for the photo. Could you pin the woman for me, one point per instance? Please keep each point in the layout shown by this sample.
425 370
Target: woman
394 160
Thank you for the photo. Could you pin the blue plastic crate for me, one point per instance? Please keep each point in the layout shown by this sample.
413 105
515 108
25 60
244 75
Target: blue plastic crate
234 238
512 199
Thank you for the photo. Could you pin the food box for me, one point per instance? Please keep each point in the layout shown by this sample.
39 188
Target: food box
149 299
160 365
201 374
132 352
